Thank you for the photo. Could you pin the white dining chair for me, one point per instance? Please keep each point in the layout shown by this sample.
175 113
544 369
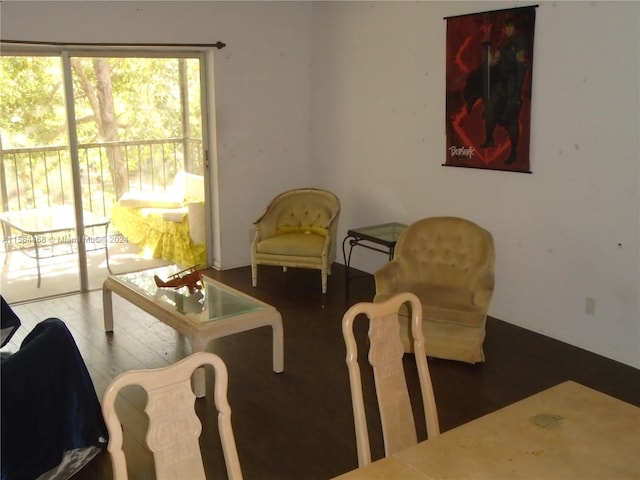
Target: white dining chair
385 356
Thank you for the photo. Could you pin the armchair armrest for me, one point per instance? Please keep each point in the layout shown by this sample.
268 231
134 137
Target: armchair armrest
149 200
389 278
266 225
332 224
197 222
332 234
482 288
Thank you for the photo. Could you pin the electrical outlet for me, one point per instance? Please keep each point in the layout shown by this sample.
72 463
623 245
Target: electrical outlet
590 306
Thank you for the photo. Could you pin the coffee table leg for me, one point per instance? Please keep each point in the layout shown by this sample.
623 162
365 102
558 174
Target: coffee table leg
107 308
278 345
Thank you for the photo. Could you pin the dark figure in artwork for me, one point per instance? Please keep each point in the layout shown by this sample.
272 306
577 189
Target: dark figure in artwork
499 82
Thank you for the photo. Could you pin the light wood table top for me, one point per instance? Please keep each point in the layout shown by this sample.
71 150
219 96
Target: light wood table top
566 432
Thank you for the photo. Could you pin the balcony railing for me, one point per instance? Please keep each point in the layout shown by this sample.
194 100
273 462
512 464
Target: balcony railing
42 176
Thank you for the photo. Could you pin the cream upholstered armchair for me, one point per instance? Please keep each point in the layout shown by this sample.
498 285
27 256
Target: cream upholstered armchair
297 229
448 263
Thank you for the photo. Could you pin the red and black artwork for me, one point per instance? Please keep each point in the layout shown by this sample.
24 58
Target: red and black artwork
489 60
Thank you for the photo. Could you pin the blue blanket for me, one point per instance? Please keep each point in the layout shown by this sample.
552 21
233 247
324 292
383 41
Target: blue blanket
49 404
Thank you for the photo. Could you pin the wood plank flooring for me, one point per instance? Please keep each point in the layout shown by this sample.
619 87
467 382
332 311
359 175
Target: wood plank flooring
299 424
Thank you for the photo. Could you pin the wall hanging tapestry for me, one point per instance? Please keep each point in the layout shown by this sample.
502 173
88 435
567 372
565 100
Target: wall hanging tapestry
489 64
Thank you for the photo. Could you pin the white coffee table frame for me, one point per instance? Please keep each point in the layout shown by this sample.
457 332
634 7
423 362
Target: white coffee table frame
199 333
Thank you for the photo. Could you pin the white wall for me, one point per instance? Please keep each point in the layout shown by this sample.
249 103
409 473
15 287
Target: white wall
261 80
350 96
566 232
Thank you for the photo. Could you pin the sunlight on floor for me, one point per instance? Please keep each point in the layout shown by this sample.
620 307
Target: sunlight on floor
60 275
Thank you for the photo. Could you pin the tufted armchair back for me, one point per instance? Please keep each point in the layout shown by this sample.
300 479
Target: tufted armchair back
300 211
449 251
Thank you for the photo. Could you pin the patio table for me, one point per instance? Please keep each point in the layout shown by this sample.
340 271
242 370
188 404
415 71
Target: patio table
42 228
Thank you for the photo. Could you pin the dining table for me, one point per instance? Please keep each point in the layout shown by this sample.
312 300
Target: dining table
566 432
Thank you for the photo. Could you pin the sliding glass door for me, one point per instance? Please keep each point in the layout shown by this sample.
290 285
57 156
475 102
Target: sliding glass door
103 167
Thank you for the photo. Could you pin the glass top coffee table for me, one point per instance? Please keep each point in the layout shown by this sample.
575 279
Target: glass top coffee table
215 311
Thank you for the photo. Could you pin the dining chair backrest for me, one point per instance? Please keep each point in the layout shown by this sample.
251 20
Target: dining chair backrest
385 357
174 427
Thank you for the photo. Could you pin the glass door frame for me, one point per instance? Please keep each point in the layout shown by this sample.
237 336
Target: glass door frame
205 55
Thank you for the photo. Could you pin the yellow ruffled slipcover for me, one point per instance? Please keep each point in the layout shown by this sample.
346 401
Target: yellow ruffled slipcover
159 238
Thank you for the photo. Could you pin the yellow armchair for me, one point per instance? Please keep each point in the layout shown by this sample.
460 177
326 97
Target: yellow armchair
448 263
297 229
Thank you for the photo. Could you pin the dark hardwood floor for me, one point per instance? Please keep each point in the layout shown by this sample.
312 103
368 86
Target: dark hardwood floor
299 424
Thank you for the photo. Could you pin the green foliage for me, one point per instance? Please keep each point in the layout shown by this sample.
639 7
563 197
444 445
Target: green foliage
31 101
146 95
115 99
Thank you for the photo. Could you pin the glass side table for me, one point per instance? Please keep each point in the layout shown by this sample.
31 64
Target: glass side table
381 238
